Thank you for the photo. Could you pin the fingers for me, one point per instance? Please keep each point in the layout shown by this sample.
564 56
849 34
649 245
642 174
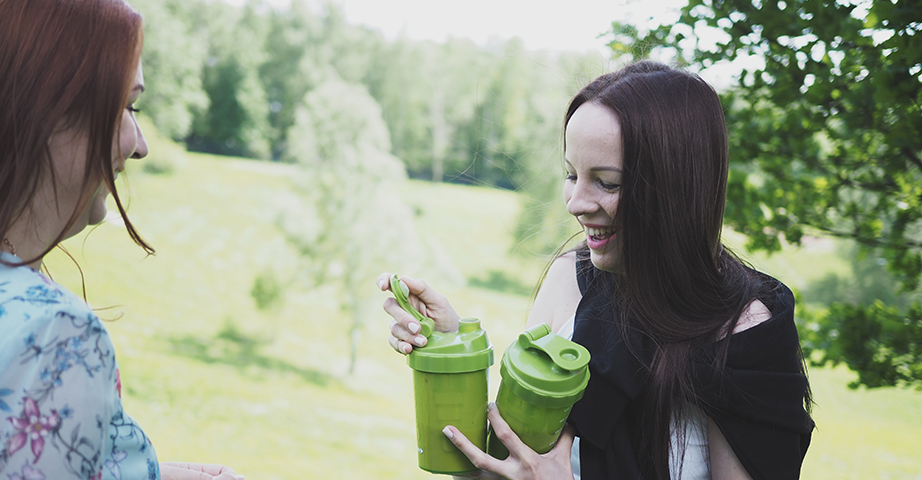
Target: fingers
477 456
565 442
504 433
404 328
384 281
400 346
196 471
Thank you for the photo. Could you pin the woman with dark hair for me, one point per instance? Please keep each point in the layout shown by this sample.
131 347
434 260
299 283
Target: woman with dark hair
71 75
696 367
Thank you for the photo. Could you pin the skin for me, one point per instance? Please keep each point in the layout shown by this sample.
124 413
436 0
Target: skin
591 191
592 188
55 203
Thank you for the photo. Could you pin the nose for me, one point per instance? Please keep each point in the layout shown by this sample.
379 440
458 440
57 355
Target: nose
140 150
579 200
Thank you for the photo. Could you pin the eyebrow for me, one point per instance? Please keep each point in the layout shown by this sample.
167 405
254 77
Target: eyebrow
598 169
138 87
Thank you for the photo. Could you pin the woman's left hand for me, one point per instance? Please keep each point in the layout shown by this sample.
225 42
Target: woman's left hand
523 463
196 471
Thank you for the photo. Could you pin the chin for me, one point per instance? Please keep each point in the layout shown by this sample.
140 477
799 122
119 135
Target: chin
97 210
605 261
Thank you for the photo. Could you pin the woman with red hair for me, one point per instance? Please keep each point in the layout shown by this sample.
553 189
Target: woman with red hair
71 73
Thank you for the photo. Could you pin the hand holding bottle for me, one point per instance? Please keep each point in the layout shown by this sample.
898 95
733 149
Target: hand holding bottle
405 330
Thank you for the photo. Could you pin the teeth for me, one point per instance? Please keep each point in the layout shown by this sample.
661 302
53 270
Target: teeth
597 232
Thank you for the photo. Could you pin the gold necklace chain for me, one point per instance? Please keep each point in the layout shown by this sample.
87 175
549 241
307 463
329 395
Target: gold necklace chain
6 241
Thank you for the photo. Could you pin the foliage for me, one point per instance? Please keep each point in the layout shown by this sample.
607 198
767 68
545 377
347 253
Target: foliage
826 135
192 384
266 292
229 79
349 184
236 121
173 81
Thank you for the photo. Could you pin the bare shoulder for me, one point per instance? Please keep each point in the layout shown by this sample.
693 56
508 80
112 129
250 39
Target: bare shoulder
754 314
559 294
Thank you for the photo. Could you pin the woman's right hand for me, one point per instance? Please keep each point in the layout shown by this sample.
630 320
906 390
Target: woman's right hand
432 304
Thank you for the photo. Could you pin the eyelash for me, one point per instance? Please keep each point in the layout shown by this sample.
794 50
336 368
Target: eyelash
132 109
610 187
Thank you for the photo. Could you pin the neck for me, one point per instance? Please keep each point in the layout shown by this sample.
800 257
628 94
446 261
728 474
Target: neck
24 246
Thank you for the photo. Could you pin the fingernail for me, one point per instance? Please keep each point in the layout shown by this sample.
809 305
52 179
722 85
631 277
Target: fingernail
420 340
491 406
381 284
413 327
447 432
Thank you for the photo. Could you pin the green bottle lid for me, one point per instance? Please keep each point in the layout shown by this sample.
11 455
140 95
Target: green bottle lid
466 350
401 294
545 369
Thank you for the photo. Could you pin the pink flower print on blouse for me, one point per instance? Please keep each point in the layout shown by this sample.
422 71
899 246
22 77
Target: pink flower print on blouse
118 382
32 426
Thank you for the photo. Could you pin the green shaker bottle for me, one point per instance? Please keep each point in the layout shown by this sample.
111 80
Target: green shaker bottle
450 388
543 375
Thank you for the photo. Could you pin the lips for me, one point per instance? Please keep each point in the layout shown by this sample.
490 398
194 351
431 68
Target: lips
598 236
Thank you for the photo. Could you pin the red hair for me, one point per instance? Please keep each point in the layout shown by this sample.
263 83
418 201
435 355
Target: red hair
69 63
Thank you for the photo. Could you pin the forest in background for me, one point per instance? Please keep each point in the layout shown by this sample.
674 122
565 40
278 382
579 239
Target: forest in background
824 135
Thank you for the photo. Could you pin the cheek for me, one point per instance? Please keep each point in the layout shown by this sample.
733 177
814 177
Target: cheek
611 204
127 140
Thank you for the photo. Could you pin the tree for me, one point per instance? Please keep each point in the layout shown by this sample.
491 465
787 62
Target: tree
291 68
826 136
173 81
236 120
350 223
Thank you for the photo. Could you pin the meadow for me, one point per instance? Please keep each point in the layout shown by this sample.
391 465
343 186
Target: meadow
214 379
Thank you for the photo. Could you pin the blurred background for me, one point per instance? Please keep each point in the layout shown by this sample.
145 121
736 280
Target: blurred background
298 149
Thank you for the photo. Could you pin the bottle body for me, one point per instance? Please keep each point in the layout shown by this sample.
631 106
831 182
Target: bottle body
458 399
537 426
543 375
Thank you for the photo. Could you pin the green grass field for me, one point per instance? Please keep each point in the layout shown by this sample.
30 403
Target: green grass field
213 379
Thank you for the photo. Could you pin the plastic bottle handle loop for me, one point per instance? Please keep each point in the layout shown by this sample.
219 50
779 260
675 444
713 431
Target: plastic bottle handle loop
564 353
401 293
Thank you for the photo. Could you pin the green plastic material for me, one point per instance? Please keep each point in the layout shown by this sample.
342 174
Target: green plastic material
458 399
401 294
543 374
466 350
449 388
545 368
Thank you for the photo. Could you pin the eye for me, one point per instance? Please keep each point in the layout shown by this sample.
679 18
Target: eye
570 177
609 187
132 109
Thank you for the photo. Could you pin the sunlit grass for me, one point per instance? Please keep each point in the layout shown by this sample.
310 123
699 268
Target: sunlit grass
213 379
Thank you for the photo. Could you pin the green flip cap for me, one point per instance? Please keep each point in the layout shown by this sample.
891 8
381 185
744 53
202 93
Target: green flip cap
545 369
401 294
466 350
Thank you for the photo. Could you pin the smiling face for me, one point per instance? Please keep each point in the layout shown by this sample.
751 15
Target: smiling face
68 152
594 164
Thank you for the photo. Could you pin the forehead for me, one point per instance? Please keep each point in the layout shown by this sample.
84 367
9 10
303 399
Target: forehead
594 134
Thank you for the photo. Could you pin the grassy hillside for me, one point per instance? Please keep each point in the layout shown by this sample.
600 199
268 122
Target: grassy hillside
213 379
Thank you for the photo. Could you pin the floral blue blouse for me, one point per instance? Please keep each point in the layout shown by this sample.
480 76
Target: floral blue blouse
61 411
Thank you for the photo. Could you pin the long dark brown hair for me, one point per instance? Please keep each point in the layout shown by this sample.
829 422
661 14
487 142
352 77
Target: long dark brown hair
677 284
67 63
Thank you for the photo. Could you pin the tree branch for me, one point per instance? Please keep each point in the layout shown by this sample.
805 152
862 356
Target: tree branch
912 157
870 241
